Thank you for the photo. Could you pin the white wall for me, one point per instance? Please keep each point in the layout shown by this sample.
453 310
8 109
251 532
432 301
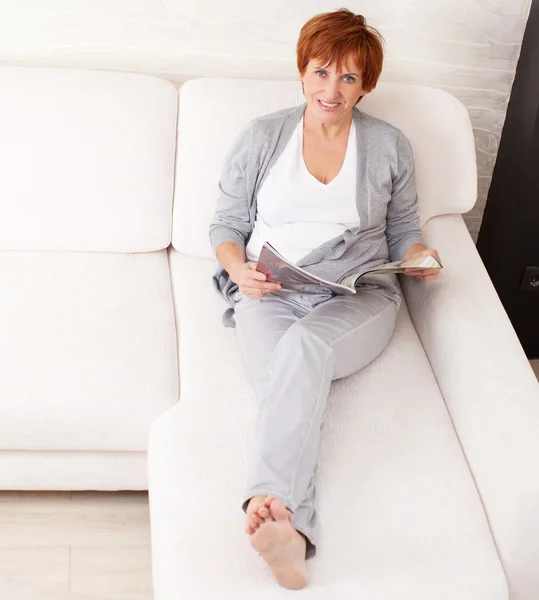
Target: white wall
468 47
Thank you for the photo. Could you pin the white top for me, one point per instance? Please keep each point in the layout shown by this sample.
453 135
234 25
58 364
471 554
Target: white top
296 213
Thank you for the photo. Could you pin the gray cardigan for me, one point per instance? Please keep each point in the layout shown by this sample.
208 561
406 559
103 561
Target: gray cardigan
386 200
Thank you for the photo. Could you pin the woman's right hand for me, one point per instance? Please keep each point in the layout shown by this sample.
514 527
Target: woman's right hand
251 282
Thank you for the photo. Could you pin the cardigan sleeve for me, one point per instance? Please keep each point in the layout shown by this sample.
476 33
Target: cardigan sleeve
402 221
231 221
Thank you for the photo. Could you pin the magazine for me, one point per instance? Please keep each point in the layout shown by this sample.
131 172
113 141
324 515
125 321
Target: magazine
295 279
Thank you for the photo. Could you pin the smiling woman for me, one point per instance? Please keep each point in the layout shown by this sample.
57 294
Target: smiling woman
333 190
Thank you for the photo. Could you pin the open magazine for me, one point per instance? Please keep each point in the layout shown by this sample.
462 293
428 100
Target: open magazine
293 278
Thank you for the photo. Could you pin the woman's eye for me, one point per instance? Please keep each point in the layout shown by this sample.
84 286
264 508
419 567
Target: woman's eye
321 73
348 79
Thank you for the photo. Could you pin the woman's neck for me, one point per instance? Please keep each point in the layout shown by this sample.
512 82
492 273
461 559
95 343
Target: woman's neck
328 131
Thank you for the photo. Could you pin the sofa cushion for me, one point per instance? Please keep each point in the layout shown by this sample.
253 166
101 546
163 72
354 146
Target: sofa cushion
213 112
88 354
87 160
399 514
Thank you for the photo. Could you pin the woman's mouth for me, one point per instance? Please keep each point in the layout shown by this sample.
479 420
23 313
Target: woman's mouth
328 106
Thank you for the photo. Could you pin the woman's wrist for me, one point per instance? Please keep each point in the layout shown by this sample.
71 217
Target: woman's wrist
232 258
234 270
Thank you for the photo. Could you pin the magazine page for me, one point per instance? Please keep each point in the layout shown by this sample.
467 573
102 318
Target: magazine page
423 262
293 278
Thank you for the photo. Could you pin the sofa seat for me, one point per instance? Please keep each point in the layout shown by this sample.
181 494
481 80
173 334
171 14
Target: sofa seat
88 355
400 516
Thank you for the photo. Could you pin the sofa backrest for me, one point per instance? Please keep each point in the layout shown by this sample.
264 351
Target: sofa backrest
214 111
87 160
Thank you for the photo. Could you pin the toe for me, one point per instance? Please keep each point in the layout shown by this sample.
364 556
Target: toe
263 512
268 501
253 524
279 511
254 504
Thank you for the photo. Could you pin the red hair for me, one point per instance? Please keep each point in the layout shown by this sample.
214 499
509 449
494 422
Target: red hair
332 37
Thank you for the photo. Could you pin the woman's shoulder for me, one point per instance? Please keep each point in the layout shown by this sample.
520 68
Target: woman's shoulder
280 115
265 124
265 129
374 128
376 124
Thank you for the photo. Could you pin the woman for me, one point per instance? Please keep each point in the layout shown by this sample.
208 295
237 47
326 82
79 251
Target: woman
332 189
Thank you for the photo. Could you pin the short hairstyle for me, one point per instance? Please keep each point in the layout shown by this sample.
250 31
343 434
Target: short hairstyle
331 37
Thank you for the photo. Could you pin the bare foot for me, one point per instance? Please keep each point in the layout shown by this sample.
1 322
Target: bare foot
280 545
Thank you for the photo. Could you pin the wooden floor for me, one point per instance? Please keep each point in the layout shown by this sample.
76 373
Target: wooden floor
77 545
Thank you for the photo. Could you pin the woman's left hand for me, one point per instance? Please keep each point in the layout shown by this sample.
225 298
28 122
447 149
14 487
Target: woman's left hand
423 274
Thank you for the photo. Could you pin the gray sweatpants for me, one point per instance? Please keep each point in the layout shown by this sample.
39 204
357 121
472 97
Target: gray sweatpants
294 346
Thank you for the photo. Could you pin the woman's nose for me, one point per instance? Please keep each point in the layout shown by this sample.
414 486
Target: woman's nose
332 89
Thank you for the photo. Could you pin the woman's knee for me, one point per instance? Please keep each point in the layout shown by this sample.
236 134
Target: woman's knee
361 347
301 338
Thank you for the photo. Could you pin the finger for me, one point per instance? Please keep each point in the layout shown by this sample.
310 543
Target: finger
267 287
253 273
252 292
257 275
272 287
429 277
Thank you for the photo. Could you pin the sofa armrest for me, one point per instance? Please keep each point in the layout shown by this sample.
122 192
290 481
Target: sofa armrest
490 391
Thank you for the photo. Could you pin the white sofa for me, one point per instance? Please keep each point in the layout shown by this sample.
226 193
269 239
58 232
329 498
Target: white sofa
88 355
429 462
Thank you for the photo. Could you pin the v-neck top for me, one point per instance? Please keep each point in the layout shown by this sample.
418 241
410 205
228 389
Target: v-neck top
296 212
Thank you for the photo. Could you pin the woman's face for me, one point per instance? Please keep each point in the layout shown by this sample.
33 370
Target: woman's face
330 93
